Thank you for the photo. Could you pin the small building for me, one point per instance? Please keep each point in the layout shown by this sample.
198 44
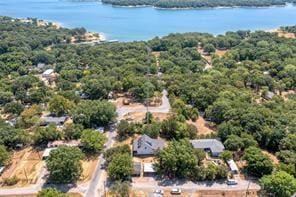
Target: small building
48 73
137 168
214 146
149 169
53 120
233 167
41 66
145 145
100 129
49 76
46 152
268 95
2 168
57 143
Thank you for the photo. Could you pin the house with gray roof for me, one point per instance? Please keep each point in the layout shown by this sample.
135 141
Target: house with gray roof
145 145
212 145
53 120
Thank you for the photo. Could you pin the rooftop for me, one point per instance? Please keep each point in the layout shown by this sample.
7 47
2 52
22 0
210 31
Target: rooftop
149 167
154 144
212 144
48 72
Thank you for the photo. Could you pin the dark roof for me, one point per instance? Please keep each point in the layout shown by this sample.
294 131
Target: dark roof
212 144
153 144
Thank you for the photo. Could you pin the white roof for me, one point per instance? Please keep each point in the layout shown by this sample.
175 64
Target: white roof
232 165
148 167
2 169
47 152
48 72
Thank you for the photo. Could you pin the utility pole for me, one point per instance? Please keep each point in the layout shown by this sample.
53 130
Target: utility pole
148 75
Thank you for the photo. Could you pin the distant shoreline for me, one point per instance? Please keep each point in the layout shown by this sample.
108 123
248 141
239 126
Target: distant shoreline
40 22
197 8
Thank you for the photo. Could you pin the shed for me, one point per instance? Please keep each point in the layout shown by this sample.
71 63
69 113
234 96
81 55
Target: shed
149 169
233 167
137 168
268 95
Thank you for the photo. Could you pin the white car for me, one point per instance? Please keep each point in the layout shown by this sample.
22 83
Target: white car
158 191
231 182
176 191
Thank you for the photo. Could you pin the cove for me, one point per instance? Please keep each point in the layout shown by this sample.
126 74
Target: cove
142 23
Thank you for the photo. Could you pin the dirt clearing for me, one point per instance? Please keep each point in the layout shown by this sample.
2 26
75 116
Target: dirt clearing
26 165
89 167
202 126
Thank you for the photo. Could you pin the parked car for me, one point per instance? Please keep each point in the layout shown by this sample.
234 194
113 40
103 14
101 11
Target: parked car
176 191
158 191
231 182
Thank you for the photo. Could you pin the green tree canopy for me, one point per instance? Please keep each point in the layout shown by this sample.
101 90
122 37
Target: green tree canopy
178 159
279 184
59 105
92 141
51 192
64 164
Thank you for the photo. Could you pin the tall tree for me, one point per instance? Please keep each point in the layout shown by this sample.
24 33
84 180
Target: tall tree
92 141
64 164
279 184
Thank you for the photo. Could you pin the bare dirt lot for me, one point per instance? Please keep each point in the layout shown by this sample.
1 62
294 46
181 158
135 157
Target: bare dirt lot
273 158
202 126
26 165
139 116
88 166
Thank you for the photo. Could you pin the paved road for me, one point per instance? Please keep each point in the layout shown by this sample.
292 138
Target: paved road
243 185
96 183
96 186
163 108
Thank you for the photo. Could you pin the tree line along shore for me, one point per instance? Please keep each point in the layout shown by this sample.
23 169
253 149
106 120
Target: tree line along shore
199 3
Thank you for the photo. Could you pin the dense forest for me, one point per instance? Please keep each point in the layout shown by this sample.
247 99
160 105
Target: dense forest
198 3
233 94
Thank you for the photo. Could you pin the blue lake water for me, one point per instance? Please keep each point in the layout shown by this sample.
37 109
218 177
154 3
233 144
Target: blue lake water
143 23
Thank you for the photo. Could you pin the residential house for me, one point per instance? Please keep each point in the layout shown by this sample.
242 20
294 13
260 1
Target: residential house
53 120
57 143
145 145
214 146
